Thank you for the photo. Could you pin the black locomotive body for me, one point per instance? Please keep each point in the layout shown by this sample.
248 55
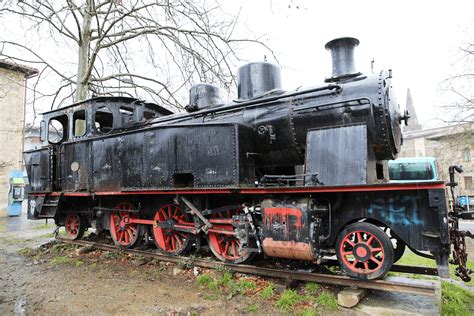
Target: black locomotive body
298 175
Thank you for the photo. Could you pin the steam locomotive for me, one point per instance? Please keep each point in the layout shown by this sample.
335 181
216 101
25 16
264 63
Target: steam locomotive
291 174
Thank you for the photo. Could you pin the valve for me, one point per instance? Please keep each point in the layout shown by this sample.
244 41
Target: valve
406 115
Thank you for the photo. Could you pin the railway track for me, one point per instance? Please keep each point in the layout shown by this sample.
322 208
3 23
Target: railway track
401 285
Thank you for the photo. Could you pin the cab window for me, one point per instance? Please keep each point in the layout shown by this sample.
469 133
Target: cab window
411 171
57 129
79 123
103 120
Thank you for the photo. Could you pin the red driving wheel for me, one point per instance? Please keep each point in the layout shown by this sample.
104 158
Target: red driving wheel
224 246
75 226
168 240
364 251
124 233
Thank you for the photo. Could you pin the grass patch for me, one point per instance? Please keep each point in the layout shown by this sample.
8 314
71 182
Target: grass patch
222 269
185 263
456 300
226 278
60 260
251 308
411 259
288 299
11 241
210 297
226 283
59 248
62 232
44 226
111 255
203 280
245 285
311 287
48 235
327 299
268 291
79 263
25 252
307 312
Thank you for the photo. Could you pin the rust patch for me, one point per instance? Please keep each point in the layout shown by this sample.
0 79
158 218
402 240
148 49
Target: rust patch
282 214
287 249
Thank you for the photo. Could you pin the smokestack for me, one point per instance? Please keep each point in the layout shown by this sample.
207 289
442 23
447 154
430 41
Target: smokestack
342 53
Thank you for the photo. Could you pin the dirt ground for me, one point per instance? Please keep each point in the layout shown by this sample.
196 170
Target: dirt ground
66 280
103 290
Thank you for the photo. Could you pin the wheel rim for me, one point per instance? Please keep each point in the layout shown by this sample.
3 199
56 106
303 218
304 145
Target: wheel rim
226 247
122 231
72 225
362 252
168 239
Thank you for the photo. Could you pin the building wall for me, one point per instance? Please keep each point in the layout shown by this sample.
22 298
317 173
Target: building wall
458 150
12 100
450 149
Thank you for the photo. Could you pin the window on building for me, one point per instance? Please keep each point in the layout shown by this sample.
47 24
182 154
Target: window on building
104 120
57 129
468 185
79 121
466 154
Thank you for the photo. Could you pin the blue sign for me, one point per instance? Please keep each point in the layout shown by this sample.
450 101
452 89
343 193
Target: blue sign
463 200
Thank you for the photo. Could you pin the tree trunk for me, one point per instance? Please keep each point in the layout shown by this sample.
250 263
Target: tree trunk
82 87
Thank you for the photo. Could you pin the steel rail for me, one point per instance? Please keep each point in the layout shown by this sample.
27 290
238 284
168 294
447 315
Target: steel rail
429 289
396 268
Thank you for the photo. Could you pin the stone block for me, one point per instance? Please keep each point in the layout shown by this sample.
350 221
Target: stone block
350 298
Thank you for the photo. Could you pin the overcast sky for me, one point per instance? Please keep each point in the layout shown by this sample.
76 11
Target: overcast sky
419 40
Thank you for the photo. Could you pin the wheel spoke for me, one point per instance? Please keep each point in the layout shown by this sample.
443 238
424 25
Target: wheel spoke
234 248
377 262
349 242
131 233
370 240
366 265
173 244
354 263
182 235
178 241
226 248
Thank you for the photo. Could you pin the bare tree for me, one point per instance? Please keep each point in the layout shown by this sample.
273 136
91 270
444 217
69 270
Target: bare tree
460 107
145 48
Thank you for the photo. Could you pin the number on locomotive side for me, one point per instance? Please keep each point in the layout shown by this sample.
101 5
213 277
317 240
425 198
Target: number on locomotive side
213 151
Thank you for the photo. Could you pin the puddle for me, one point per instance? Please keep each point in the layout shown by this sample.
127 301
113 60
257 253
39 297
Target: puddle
20 306
9 258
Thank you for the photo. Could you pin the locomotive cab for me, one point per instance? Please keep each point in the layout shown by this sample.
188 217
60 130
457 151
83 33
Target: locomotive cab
95 117
74 124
